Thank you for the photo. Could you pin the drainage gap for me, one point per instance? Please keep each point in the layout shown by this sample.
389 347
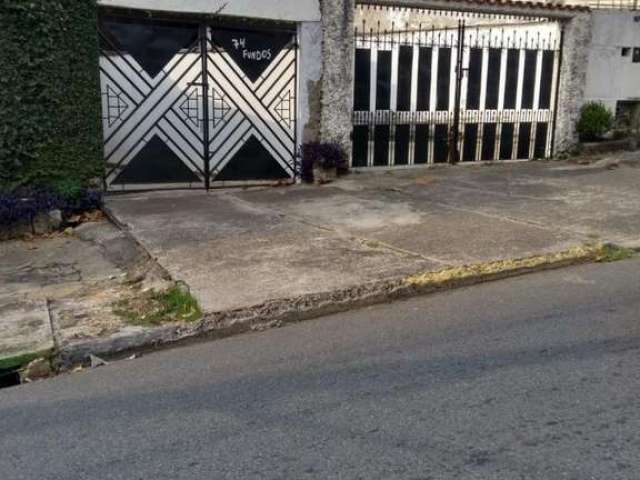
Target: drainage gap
9 378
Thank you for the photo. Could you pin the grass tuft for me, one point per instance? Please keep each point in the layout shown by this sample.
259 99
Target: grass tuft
156 308
614 253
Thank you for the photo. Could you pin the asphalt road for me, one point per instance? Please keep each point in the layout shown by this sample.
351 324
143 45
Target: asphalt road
530 378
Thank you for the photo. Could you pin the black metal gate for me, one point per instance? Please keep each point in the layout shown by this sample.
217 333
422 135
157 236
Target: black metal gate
472 88
188 104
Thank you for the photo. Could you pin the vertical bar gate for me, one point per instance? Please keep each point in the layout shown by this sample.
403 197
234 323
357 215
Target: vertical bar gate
465 89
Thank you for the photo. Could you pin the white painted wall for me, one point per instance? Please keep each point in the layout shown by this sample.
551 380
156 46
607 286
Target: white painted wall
610 76
287 10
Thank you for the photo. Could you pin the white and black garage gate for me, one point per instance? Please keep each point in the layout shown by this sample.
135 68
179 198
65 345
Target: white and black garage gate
468 87
189 104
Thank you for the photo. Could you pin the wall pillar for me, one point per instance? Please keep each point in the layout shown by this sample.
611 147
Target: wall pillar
573 79
337 76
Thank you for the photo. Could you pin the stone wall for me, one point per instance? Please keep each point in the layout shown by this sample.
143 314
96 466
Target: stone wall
573 79
337 76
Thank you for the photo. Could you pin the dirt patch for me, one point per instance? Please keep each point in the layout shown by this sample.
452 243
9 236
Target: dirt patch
84 217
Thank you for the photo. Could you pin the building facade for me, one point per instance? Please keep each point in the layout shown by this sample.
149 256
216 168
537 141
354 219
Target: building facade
199 93
613 75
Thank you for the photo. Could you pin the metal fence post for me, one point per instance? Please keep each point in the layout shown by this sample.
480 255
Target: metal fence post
204 48
454 153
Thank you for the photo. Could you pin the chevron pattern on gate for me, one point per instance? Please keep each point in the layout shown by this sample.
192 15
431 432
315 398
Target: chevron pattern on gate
252 105
152 113
169 124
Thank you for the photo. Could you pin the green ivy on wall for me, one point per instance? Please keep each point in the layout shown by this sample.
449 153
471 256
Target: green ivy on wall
50 131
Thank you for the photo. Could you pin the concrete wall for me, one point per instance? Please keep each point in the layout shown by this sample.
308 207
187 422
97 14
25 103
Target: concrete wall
610 76
288 10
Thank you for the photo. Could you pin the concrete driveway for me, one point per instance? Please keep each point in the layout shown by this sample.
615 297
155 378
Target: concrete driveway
239 248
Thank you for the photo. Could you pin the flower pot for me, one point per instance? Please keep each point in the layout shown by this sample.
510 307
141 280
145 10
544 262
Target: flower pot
324 175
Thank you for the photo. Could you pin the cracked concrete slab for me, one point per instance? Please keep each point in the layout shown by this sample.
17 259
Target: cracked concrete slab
61 289
51 267
25 330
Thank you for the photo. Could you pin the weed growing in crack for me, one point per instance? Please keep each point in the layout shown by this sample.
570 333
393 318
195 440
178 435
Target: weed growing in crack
156 308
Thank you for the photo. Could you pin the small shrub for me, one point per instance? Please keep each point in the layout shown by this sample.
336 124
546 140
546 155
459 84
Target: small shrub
25 205
323 155
595 120
85 201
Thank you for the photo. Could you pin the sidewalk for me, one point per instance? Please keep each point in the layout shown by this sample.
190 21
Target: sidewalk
241 248
60 289
260 257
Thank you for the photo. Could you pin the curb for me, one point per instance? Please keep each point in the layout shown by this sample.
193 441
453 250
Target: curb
276 313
